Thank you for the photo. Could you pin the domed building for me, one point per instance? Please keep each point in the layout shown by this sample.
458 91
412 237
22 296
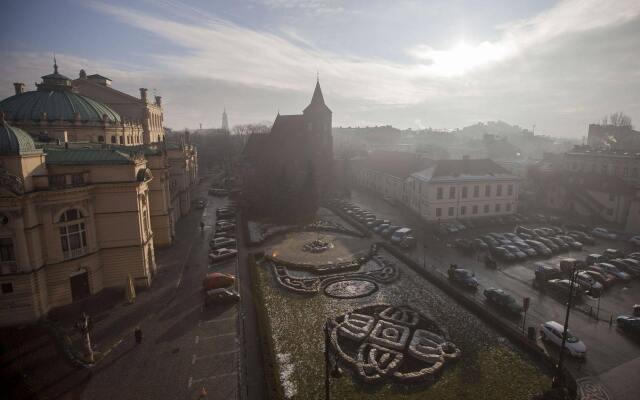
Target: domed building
56 111
67 229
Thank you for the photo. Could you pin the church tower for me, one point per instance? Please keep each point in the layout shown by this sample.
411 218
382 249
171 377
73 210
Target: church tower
225 121
317 124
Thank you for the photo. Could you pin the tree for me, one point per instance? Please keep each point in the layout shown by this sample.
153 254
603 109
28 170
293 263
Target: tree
248 129
617 119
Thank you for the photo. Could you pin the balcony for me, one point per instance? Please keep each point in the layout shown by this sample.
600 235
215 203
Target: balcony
8 267
74 253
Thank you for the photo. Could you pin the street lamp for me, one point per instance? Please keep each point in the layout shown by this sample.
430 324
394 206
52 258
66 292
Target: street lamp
558 380
329 372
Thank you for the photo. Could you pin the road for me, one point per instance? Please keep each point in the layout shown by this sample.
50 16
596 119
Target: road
610 354
188 351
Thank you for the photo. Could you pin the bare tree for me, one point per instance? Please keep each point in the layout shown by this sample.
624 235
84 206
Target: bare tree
247 129
620 119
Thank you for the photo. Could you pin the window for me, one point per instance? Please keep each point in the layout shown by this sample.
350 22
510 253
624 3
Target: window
73 234
497 208
451 211
77 179
475 209
508 207
113 139
6 250
463 210
438 212
439 195
510 190
486 208
476 191
7 288
499 190
452 192
487 191
100 139
121 139
464 192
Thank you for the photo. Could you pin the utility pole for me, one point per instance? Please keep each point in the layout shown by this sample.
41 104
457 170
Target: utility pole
327 367
559 379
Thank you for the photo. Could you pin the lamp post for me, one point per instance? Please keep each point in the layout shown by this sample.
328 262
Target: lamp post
329 372
84 325
559 378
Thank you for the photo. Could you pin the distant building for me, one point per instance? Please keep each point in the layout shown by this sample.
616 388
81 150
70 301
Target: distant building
623 164
462 188
287 170
145 112
611 137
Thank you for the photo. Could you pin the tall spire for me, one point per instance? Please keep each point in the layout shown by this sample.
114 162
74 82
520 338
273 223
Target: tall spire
225 121
55 64
317 100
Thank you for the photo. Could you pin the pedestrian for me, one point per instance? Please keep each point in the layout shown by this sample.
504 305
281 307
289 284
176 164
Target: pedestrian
137 334
201 225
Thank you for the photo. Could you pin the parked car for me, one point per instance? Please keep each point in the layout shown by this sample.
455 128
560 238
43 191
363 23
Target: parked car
463 245
375 222
550 244
613 270
225 226
502 254
572 242
218 192
381 227
519 254
560 243
567 265
599 269
603 279
635 240
539 247
629 325
582 237
612 253
479 245
220 296
389 231
561 289
525 248
632 264
603 233
408 242
544 273
595 259
221 242
216 280
589 284
553 331
625 267
222 254
502 300
463 277
399 235
635 256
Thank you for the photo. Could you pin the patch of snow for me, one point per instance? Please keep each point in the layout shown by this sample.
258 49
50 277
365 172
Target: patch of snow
286 370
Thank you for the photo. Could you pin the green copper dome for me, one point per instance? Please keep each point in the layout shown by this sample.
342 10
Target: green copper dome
14 140
55 97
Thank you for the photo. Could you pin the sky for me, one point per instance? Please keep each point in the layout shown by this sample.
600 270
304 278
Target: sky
558 65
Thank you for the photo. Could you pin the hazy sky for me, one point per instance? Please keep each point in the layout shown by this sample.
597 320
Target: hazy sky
445 64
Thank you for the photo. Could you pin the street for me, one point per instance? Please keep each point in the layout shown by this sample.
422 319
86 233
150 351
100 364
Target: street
611 354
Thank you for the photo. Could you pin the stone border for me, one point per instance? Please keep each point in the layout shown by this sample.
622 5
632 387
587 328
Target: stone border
327 285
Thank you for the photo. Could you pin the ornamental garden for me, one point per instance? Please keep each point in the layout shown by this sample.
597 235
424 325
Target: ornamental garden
389 332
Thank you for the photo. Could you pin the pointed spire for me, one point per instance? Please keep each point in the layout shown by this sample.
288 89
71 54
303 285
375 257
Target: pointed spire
55 64
317 100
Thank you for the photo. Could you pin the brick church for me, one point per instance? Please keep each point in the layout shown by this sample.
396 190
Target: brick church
288 170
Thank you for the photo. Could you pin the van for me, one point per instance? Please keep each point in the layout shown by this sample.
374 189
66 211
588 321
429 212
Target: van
401 234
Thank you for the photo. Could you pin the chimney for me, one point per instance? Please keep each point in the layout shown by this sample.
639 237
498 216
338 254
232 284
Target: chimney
159 101
143 94
19 87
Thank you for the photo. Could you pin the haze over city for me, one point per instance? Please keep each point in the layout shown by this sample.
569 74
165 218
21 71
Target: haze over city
410 64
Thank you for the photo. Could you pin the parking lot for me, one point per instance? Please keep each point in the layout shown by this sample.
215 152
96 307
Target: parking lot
611 354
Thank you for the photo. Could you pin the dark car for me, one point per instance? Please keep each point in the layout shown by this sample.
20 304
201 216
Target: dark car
629 324
582 237
561 287
623 266
550 244
502 254
544 273
463 245
220 296
612 253
479 245
381 227
560 243
502 300
604 279
463 277
389 230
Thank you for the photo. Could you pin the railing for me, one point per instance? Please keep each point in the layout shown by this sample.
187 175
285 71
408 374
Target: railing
74 253
8 267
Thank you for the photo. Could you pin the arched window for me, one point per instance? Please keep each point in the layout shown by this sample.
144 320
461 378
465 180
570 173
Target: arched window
100 139
73 234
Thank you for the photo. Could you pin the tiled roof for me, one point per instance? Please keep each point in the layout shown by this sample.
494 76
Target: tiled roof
395 163
14 140
464 169
60 156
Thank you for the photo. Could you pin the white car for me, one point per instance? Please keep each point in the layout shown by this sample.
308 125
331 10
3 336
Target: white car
222 254
220 242
603 233
552 331
635 240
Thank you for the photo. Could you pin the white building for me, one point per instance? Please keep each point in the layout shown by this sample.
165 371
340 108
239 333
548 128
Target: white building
463 188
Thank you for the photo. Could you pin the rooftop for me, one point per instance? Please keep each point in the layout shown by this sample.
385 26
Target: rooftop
464 169
87 156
